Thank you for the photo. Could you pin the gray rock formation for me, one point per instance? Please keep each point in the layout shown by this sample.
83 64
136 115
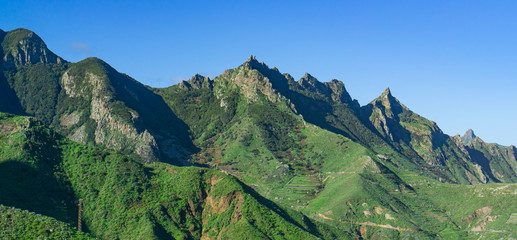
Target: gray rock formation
468 137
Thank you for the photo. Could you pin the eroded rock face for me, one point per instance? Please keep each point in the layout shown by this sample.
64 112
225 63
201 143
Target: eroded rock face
248 82
197 82
311 83
468 137
420 139
110 130
69 84
497 161
69 120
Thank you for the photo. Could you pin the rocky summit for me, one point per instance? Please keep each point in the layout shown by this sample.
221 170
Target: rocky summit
250 154
468 137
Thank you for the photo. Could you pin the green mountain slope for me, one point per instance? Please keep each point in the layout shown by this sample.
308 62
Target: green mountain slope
22 224
245 127
89 101
480 211
317 164
422 141
257 124
45 173
498 163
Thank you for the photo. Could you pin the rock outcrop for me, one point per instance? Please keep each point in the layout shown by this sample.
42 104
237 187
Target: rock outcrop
468 137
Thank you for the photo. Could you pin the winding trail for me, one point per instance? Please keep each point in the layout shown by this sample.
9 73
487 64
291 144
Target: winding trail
371 224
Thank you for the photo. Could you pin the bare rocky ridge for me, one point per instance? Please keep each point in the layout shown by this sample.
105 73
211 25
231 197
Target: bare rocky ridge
197 82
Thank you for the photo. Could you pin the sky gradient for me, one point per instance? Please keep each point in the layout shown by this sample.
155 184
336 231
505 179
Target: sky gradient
454 62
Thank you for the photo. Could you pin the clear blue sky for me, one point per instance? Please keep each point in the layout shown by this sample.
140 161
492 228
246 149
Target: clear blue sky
454 62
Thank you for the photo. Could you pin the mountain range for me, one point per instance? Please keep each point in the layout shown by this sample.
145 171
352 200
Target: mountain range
251 153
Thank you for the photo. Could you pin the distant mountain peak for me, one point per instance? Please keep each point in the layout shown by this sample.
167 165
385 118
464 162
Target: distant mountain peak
252 60
289 77
470 132
308 76
387 99
386 93
252 63
252 57
468 137
310 82
22 47
197 81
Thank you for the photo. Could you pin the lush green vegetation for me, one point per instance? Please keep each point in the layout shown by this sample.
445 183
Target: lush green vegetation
11 40
201 110
21 224
335 169
334 175
125 199
37 87
277 127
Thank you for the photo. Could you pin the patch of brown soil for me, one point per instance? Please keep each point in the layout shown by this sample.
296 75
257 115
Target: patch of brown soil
170 169
7 127
483 217
363 231
220 204
378 210
388 226
213 180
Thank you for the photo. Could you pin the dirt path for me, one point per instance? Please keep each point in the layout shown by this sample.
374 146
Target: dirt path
345 172
371 224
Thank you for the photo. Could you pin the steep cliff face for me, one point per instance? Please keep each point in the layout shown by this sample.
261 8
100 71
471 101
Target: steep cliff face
398 124
499 163
88 82
120 113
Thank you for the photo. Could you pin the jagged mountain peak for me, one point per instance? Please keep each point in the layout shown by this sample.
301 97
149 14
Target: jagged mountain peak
198 77
252 63
311 83
197 81
470 134
469 137
308 76
308 81
387 100
252 58
289 77
386 93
